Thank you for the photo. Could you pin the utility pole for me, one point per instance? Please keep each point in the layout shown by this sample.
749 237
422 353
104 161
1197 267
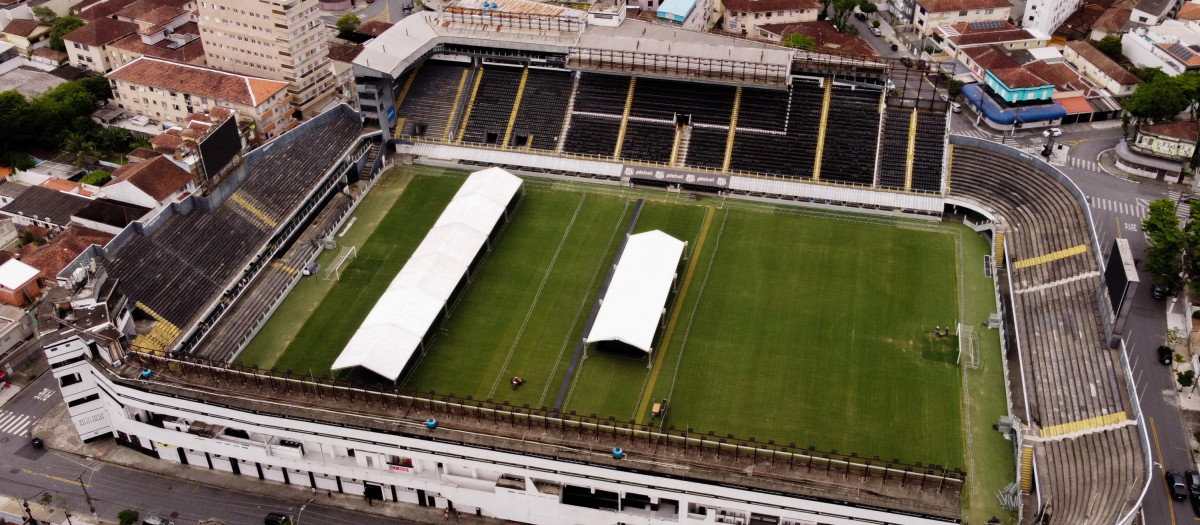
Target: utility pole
91 505
28 513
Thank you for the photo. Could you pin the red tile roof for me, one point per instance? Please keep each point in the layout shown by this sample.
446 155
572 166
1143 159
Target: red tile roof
344 52
197 80
759 6
187 53
100 32
1016 77
1186 131
1101 61
157 19
990 57
22 27
1189 11
1080 23
57 57
60 251
941 6
1075 105
100 8
157 177
1063 76
136 9
1113 20
373 28
143 154
827 39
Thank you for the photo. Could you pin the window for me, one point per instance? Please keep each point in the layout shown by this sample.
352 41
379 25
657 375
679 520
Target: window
962 13
82 400
68 380
991 10
66 362
1142 19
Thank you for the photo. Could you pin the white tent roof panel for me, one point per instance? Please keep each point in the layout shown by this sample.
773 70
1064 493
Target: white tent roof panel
638 292
394 329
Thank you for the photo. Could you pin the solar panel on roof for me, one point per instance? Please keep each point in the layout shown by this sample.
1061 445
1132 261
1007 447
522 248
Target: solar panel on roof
1181 51
987 24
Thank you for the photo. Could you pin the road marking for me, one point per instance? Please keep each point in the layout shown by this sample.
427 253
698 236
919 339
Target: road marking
13 423
666 339
45 394
55 478
1162 469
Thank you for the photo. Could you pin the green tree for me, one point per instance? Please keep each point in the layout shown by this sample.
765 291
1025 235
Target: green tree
16 115
348 23
61 27
66 106
128 517
954 87
1148 74
1191 238
96 178
79 146
44 14
799 41
841 13
16 160
1110 45
1157 100
868 7
1189 83
1165 244
98 86
1186 378
875 23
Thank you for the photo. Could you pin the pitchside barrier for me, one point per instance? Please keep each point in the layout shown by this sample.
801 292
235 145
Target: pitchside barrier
392 401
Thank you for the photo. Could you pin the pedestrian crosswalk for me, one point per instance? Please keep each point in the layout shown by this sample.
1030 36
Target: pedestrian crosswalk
1137 210
976 133
1182 208
1084 164
14 423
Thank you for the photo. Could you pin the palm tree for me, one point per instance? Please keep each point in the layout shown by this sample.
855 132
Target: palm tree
79 145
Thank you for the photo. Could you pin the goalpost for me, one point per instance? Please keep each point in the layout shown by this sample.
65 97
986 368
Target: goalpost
968 346
334 273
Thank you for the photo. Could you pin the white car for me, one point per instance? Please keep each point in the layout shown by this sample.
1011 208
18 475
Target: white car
1052 132
875 31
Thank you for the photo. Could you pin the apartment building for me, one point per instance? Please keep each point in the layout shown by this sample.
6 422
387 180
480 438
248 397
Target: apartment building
744 16
170 92
159 28
1047 15
281 40
931 14
87 46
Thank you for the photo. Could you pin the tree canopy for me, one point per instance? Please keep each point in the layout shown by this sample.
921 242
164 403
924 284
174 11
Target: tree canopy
1110 45
1157 100
1165 244
61 27
348 23
44 14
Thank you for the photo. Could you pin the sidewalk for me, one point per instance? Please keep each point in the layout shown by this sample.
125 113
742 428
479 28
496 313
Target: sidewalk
51 428
10 509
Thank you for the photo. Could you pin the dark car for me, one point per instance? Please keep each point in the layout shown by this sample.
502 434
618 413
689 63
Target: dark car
861 16
1165 355
1193 484
906 61
1177 485
1159 292
277 518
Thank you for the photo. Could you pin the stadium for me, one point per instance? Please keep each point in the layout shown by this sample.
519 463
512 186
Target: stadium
620 272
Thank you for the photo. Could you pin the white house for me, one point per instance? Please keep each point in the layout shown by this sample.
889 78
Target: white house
149 183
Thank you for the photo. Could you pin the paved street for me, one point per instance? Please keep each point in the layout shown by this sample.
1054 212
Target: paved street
365 11
28 473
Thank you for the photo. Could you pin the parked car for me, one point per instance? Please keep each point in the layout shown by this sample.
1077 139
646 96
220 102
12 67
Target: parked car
875 31
1159 292
1165 355
861 16
1052 132
905 60
156 521
956 107
1178 486
277 518
1193 484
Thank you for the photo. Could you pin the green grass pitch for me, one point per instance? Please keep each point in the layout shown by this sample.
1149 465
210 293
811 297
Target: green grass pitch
791 327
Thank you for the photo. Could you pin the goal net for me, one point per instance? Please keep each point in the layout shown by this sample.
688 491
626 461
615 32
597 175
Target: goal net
334 272
968 346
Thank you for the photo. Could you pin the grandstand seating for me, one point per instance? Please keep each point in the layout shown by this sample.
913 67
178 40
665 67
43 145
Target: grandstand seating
430 99
851 135
591 135
662 99
764 109
543 108
929 150
791 154
191 258
599 93
648 141
706 148
1073 376
492 105
893 153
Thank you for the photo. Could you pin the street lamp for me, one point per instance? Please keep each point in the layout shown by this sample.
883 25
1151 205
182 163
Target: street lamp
302 507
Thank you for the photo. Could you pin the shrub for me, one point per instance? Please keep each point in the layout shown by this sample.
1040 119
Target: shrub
128 517
96 178
1186 379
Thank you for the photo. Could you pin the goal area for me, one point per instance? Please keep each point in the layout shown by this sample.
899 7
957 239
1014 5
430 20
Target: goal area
334 272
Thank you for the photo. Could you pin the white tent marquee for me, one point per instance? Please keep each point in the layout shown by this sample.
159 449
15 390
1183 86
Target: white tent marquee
396 326
633 304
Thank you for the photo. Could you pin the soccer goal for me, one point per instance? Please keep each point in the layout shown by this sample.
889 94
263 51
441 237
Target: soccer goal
334 272
968 346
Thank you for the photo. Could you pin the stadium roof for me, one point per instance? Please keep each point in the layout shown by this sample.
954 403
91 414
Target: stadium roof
633 304
396 326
